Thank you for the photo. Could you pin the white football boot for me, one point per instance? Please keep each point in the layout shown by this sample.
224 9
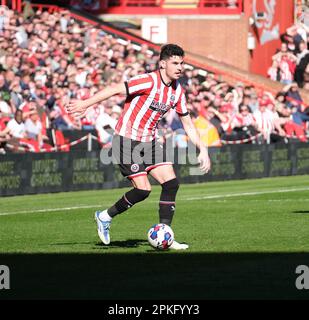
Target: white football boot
178 246
103 228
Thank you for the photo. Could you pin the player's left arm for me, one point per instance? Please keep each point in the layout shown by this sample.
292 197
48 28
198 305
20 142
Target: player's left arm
192 133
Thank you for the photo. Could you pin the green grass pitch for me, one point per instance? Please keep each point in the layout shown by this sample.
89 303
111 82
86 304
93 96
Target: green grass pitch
246 239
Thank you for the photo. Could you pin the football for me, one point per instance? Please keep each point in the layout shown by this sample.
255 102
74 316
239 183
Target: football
160 236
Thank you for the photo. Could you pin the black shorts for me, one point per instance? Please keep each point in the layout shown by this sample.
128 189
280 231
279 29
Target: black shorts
136 158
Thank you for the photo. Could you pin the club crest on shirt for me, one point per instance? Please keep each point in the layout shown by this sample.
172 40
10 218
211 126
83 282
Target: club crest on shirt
134 167
173 97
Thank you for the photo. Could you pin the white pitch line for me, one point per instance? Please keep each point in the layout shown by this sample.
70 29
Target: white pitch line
217 196
246 194
49 210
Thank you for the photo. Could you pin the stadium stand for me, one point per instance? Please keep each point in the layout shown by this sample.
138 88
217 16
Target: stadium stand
290 62
174 6
68 56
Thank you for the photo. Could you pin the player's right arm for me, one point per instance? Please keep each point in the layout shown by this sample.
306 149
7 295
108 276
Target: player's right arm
78 107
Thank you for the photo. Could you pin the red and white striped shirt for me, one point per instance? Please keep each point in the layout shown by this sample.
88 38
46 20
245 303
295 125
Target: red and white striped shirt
148 99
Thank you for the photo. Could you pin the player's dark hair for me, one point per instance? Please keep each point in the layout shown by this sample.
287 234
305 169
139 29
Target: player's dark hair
170 50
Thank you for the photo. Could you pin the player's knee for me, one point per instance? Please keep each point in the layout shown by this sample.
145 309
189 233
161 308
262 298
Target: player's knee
136 195
141 184
142 194
171 186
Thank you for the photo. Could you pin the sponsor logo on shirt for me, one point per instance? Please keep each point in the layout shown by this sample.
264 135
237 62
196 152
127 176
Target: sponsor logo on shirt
160 107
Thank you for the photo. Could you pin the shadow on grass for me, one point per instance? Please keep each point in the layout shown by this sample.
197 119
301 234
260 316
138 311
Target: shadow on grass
154 276
131 243
301 211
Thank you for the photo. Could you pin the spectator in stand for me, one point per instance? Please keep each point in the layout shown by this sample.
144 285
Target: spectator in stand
302 63
289 41
303 51
5 109
116 112
208 132
225 116
254 103
34 129
174 123
16 126
293 57
106 123
273 72
4 136
306 78
291 128
295 103
199 75
4 88
244 124
143 53
60 120
186 79
287 64
267 123
17 132
296 34
278 133
292 93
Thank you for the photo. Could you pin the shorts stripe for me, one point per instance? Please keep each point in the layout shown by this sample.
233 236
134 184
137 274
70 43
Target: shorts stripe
137 175
158 165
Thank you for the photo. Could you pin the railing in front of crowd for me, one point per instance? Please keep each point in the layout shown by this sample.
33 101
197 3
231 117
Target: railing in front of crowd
255 139
89 137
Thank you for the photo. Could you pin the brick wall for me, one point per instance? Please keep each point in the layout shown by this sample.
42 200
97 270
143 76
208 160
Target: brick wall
224 40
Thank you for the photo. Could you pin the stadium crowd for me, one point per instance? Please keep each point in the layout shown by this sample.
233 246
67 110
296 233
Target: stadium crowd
291 61
47 59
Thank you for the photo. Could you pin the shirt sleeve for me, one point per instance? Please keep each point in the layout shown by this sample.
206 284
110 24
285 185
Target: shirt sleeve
139 84
181 105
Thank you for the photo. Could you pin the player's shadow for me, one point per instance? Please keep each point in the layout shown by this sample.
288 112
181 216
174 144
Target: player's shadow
130 243
301 211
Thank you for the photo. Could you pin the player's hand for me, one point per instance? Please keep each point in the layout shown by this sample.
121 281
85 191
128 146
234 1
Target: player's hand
76 108
205 163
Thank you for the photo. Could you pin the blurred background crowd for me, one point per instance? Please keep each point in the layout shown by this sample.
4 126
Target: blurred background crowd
47 59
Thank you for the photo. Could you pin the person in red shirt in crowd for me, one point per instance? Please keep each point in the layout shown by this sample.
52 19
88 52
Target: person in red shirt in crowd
287 64
4 137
